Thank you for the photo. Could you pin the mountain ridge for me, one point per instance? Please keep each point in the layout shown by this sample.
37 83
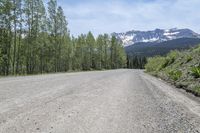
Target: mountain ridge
158 35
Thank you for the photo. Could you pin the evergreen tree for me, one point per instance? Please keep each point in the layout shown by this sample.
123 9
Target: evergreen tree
136 62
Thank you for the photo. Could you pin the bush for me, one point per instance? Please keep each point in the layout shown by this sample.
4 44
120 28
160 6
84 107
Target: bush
196 90
175 75
188 58
171 57
155 64
196 71
197 49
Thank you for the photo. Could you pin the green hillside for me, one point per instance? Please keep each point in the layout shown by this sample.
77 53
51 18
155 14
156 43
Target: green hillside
181 68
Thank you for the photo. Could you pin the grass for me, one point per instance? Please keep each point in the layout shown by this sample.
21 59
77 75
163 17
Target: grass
196 71
175 75
180 68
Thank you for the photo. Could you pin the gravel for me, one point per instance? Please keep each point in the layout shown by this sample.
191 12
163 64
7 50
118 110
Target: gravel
116 101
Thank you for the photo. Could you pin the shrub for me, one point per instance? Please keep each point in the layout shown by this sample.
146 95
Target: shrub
171 57
175 75
155 64
188 58
158 63
196 90
197 49
196 71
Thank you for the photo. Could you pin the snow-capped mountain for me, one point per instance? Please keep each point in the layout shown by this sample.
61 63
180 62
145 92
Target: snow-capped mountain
157 35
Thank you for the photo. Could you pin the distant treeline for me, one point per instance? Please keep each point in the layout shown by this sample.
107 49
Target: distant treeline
136 62
137 53
37 40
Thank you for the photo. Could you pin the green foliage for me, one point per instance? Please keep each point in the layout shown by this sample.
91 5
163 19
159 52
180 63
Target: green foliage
175 74
176 68
171 57
188 58
35 40
155 64
197 50
90 51
136 62
100 52
117 54
196 71
196 90
158 63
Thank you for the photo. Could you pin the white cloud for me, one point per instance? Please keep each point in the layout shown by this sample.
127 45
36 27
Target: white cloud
118 16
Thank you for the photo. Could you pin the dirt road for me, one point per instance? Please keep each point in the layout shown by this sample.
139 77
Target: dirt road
116 101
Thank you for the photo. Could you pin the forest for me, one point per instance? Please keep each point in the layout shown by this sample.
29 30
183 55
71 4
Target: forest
136 62
35 38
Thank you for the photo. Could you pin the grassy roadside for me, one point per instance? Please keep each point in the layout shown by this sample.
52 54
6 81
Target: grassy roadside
180 68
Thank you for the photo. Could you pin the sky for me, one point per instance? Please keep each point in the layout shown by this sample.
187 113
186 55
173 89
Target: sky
108 16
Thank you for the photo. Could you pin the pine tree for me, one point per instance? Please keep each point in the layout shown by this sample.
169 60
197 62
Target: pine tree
136 62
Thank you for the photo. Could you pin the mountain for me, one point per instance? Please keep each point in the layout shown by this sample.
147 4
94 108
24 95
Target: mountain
156 36
150 49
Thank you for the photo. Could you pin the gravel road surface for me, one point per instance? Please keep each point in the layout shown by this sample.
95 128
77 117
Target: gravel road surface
116 101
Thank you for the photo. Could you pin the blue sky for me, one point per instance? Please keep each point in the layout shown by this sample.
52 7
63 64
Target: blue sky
107 16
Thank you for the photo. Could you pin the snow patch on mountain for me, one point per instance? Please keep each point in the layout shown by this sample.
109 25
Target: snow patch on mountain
150 40
171 33
157 35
